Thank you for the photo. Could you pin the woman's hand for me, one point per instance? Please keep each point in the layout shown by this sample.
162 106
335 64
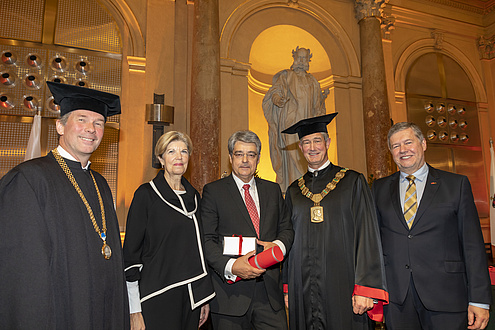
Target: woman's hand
137 321
203 315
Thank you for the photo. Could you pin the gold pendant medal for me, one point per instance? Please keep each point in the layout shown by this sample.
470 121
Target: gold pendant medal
106 251
317 210
316 214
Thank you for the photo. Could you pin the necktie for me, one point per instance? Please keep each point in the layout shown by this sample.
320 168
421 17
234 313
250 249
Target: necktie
410 201
251 207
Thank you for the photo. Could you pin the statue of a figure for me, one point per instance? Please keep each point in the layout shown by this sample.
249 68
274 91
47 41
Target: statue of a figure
295 94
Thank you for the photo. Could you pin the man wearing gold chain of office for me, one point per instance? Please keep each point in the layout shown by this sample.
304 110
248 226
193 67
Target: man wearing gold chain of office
60 251
334 272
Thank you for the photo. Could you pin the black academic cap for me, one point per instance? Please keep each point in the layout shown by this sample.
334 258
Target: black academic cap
70 98
311 125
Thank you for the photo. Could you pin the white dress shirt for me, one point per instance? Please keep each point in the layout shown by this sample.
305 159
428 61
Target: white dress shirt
254 194
421 176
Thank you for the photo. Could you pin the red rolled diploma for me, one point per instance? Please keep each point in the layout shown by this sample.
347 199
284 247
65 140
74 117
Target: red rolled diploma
265 259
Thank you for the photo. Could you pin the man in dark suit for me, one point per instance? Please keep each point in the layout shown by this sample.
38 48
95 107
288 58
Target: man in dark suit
245 206
435 262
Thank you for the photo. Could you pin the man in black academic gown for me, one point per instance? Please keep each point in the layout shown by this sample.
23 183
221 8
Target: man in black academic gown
60 252
334 272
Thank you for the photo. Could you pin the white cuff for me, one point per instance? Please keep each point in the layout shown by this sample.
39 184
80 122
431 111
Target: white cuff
228 270
484 306
281 246
134 299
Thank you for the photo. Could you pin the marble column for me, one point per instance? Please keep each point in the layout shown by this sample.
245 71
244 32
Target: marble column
205 94
374 88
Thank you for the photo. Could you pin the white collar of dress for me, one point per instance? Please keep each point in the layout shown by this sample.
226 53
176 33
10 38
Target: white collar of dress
312 170
65 154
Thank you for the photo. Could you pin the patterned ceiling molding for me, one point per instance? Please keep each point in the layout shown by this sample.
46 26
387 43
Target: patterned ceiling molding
481 7
437 35
486 47
369 8
387 26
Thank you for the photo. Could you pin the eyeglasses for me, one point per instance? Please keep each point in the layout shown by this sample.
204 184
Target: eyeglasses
250 155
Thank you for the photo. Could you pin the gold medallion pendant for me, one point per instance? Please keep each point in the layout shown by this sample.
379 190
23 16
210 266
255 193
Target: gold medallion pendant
106 251
316 215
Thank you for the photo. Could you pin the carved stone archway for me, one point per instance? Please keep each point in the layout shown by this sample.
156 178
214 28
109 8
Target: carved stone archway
239 32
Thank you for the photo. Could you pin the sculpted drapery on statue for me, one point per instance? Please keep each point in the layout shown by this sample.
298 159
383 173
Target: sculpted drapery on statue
295 94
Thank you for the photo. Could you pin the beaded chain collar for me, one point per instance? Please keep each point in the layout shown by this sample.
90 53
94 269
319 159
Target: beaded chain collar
106 251
317 210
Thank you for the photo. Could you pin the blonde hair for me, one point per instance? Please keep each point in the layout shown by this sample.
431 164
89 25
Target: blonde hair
167 138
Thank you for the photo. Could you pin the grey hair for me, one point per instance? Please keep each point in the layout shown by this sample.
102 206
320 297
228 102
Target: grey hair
65 118
246 137
403 126
325 137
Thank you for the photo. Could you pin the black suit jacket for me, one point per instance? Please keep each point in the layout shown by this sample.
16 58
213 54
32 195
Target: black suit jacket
223 213
443 251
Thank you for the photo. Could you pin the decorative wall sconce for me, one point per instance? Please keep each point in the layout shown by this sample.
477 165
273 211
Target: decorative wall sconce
82 83
59 63
83 66
440 107
30 103
33 81
6 101
443 136
58 79
454 137
159 115
429 107
430 121
463 137
9 57
453 123
8 79
51 106
34 61
431 135
442 121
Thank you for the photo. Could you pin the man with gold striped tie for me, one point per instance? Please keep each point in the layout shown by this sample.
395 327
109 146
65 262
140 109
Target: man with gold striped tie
433 249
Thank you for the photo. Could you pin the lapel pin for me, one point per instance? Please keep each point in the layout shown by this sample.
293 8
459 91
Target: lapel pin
433 182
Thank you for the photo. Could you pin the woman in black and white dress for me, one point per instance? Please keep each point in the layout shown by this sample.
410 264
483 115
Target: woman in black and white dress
165 268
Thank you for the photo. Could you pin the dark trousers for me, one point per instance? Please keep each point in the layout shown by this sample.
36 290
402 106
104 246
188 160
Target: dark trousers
412 315
259 315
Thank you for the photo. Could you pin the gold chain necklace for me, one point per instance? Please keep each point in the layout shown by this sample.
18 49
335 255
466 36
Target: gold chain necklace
106 251
317 210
